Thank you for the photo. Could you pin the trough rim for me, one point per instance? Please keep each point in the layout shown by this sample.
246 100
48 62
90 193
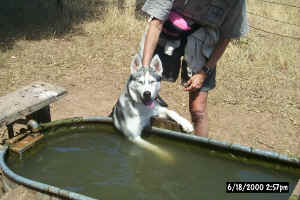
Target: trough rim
45 188
175 134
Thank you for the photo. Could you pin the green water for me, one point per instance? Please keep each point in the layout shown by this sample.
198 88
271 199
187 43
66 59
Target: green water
107 166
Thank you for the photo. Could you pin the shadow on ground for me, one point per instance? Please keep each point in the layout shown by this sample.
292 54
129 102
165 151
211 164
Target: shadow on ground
40 19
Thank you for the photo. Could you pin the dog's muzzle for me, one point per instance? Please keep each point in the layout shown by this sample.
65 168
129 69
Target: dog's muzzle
147 100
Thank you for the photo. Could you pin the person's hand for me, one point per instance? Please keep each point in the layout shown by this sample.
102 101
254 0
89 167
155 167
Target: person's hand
195 82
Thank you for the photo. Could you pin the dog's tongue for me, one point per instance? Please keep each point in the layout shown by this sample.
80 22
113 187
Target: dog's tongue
149 103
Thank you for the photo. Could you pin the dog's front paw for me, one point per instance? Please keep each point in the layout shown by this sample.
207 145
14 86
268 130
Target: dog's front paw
187 126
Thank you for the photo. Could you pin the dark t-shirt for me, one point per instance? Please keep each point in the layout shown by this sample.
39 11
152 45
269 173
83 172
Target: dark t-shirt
229 18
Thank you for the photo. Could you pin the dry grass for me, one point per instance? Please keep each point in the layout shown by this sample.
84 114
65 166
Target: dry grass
261 71
68 42
258 74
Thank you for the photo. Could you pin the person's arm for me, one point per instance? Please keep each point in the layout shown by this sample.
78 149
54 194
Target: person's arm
218 52
196 81
151 40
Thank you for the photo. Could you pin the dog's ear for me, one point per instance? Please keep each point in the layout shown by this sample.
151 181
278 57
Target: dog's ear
156 64
136 63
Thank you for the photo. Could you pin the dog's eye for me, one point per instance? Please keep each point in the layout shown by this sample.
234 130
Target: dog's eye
151 82
140 82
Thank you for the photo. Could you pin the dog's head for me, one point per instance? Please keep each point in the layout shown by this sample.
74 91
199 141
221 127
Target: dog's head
144 82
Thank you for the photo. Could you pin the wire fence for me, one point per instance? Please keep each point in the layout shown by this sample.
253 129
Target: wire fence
272 19
275 20
272 33
279 3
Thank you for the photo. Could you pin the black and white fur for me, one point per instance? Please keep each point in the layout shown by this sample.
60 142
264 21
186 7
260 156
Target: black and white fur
136 104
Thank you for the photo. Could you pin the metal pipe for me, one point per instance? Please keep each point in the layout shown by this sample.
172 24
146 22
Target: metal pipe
193 138
230 147
202 140
33 125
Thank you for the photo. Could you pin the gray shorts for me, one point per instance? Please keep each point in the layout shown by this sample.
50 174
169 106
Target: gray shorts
172 65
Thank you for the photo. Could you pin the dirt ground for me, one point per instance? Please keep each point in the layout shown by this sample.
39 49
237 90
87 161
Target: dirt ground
95 92
256 101
94 88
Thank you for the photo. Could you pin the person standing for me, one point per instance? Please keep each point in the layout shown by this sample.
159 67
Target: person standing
199 31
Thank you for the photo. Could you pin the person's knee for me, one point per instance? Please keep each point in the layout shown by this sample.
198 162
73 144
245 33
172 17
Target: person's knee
198 104
198 115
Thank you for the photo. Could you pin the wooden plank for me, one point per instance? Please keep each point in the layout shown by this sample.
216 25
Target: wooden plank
26 143
15 139
24 101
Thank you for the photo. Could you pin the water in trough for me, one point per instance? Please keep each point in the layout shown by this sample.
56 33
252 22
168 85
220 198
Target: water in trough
107 166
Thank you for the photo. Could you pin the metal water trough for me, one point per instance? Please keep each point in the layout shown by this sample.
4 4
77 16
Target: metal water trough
38 190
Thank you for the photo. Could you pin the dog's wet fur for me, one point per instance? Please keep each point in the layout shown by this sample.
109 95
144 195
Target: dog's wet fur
137 103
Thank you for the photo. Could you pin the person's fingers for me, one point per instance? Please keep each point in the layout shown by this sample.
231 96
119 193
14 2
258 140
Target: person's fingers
193 86
188 83
197 86
195 82
189 88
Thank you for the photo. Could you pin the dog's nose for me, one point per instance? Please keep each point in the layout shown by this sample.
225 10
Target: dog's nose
147 94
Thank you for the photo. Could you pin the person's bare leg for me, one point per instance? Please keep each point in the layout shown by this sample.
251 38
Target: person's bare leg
198 110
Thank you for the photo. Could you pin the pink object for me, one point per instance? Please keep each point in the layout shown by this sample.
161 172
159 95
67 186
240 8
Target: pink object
179 21
149 104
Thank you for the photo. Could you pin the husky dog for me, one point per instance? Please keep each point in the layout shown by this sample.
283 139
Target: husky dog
137 103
